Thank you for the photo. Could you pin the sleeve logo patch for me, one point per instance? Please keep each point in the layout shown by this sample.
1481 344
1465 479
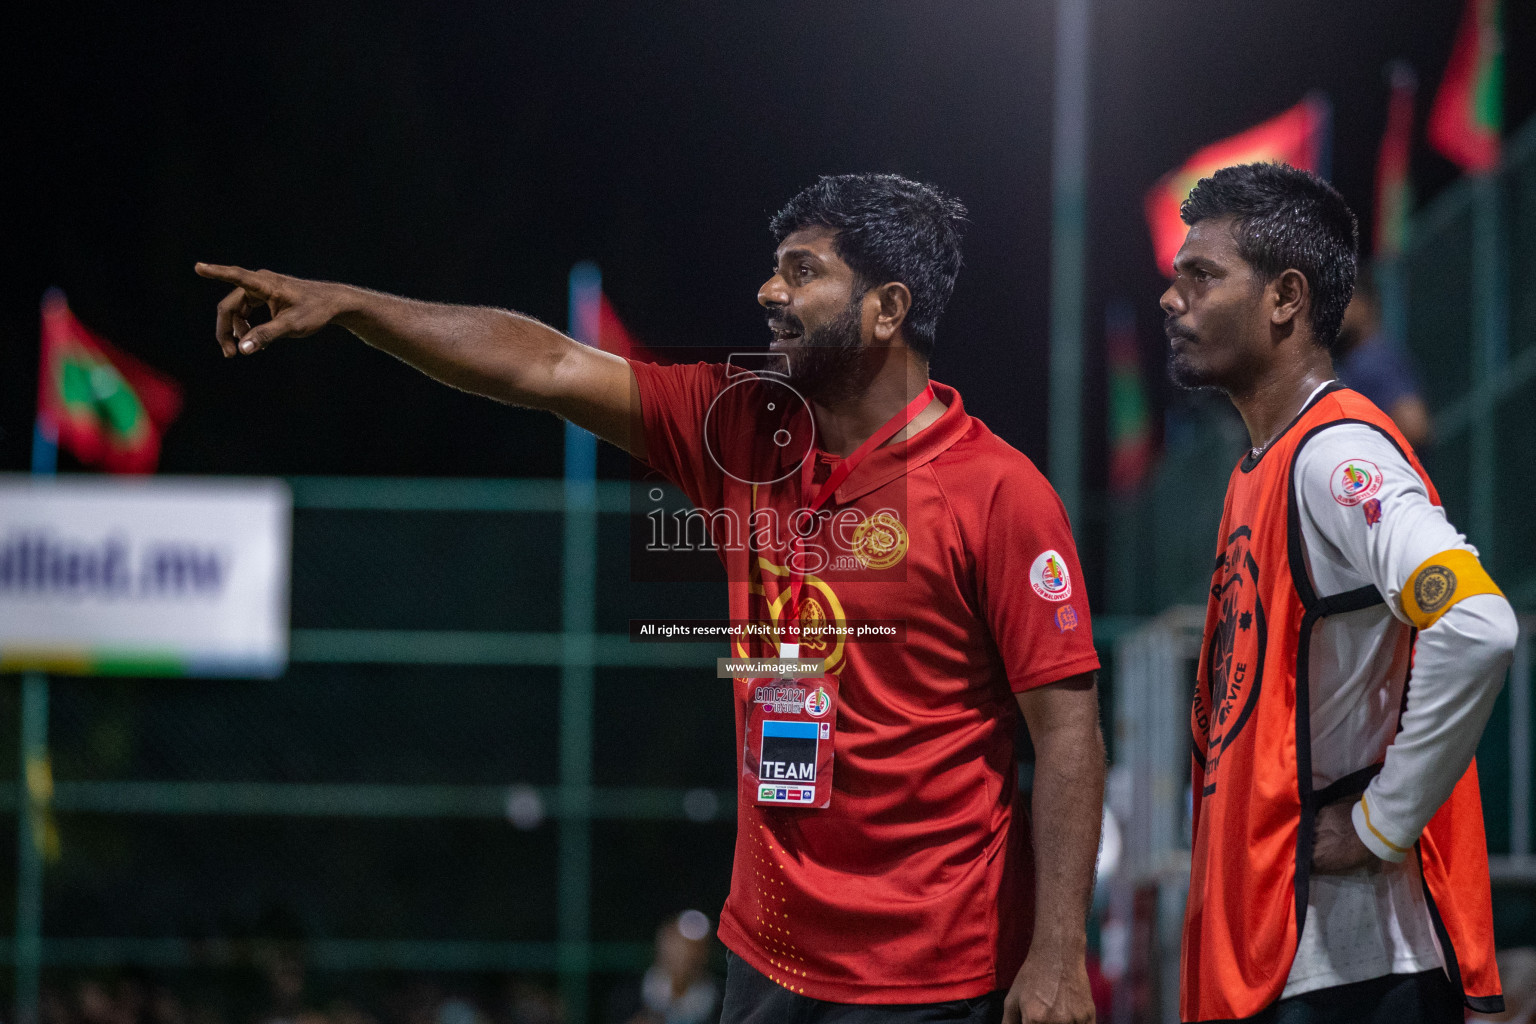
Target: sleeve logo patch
1354 481
1049 576
1372 510
1434 587
1066 618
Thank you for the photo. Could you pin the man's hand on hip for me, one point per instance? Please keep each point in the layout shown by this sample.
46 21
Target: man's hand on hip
1337 848
1050 990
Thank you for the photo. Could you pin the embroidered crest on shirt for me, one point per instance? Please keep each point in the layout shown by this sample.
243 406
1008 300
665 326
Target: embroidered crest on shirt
1372 510
880 541
1355 480
1049 576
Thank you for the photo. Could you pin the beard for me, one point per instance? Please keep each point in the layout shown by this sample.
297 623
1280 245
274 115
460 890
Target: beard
1231 365
1183 372
1186 376
831 364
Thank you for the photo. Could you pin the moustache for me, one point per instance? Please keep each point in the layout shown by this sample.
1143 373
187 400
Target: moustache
1174 330
785 322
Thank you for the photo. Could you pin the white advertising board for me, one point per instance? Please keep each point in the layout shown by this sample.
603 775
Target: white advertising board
144 575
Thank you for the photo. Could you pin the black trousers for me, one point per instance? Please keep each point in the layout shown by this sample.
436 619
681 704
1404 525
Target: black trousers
751 998
1426 998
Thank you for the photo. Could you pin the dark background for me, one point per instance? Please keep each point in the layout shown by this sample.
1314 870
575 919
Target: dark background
473 152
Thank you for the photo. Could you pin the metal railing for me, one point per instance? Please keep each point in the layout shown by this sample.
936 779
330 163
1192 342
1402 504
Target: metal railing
574 803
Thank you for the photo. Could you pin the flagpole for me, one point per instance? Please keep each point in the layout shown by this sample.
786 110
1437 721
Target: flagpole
45 448
35 784
1069 181
1391 234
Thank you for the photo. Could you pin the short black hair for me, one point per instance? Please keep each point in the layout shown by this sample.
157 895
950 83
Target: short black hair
1287 219
889 228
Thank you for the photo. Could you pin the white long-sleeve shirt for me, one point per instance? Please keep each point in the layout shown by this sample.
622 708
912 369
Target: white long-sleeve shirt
1374 921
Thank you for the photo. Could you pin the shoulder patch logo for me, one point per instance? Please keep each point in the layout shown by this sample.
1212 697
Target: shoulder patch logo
1372 510
1048 575
1354 481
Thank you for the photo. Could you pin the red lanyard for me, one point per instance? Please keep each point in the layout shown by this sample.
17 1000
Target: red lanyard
841 472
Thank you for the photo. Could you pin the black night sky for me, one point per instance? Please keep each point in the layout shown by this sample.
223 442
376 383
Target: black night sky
472 152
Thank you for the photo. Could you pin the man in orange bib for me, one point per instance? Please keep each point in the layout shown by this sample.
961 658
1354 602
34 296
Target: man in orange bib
1339 868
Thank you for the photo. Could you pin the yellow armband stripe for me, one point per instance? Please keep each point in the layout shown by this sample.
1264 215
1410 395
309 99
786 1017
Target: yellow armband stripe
1389 844
1440 582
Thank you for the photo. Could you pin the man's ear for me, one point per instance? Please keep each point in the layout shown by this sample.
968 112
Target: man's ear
894 299
1290 294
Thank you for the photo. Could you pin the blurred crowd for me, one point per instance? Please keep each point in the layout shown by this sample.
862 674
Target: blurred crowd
271 985
141 997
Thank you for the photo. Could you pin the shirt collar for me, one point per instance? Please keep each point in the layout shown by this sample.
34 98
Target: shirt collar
886 463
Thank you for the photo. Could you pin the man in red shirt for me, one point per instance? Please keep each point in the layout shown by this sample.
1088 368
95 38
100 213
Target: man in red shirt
882 868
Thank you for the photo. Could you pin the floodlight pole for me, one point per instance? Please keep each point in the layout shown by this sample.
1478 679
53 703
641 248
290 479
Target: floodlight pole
1069 177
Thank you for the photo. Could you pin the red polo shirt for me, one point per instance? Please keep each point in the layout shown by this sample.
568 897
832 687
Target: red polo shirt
915 885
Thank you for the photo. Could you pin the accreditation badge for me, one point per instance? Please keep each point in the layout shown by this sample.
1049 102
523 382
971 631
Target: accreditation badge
791 726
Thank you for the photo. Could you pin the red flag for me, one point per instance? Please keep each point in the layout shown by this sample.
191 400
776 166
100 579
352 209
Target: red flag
1394 192
102 404
1298 137
613 336
1468 115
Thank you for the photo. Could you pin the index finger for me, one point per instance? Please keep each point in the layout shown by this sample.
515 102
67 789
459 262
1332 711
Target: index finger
247 279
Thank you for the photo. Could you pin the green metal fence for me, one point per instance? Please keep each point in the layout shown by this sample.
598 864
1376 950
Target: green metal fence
387 573
468 766
1468 313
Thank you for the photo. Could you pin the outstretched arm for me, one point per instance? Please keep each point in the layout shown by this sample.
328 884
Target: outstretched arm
492 352
1063 720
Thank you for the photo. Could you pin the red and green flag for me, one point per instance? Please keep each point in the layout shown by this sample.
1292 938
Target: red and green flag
1298 137
100 403
1468 113
1130 426
1394 190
